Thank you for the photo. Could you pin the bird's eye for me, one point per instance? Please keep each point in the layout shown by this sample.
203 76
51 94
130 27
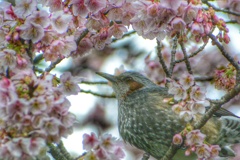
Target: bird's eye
128 79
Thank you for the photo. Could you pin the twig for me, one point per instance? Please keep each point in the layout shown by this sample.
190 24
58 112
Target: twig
201 79
38 58
188 65
98 94
231 22
35 68
223 51
216 106
193 54
57 155
93 83
220 10
53 65
64 151
81 156
173 52
161 60
171 152
29 51
83 34
125 35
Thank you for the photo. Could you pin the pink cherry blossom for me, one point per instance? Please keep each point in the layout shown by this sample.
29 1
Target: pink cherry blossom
177 91
194 137
79 8
186 81
24 8
90 141
55 5
177 139
69 85
117 30
31 31
8 57
60 21
203 151
95 5
197 93
39 17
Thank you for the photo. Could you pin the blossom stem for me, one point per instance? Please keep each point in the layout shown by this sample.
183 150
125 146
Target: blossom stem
98 94
161 60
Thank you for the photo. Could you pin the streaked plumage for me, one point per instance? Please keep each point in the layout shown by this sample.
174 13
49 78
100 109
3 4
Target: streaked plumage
148 123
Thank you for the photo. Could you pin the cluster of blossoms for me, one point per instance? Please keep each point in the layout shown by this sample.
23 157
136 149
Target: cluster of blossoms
231 5
191 95
34 112
192 102
61 29
225 78
104 147
195 143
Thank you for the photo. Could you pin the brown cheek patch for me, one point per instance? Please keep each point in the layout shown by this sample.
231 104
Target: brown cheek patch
133 86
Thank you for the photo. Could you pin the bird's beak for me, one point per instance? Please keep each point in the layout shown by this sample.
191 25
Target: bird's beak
109 77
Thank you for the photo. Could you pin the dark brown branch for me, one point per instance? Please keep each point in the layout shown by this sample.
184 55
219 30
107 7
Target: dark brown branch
125 35
98 94
173 52
29 50
231 22
189 68
161 60
64 151
171 152
223 51
57 155
83 34
38 58
35 68
93 83
219 9
201 79
81 156
217 105
53 65
193 54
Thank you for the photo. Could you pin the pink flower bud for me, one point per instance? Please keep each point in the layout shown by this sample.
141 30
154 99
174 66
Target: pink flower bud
177 139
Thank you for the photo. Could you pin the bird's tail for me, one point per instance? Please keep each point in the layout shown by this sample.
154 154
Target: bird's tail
229 134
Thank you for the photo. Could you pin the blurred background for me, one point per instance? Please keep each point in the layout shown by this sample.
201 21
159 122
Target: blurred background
99 115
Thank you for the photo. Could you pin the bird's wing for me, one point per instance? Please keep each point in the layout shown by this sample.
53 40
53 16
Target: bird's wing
150 123
223 112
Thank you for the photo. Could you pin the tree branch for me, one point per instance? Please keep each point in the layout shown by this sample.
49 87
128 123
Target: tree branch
189 68
214 107
201 79
57 155
217 106
53 65
223 51
161 60
173 52
93 83
219 9
64 151
171 152
98 94
193 54
125 35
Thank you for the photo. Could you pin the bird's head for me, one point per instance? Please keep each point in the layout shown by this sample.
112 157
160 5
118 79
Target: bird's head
127 82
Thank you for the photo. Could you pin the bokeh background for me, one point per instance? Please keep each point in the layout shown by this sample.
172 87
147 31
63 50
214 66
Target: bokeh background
98 114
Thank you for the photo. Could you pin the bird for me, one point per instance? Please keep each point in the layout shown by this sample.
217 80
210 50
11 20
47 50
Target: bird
149 124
